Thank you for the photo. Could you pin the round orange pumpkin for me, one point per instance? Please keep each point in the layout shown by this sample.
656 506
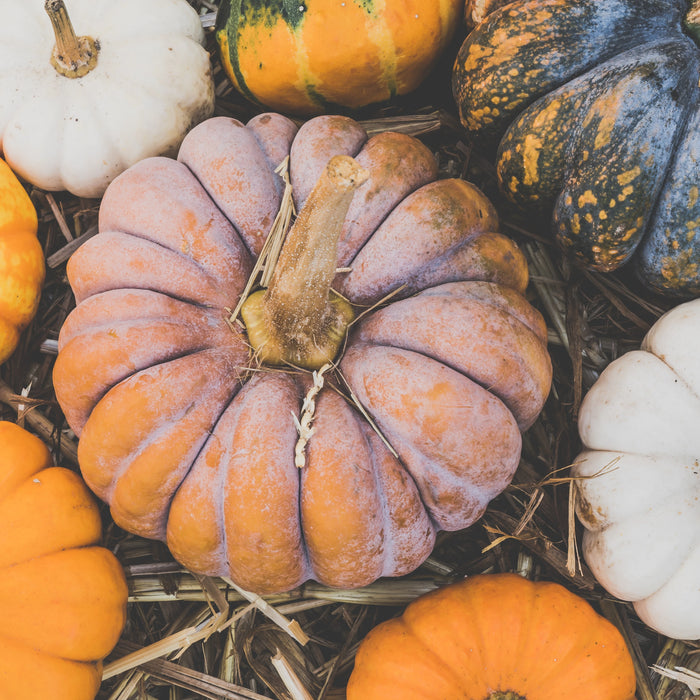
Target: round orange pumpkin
312 56
21 261
62 596
494 637
262 467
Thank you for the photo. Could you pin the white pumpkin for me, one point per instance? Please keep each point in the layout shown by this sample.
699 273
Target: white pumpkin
150 84
640 502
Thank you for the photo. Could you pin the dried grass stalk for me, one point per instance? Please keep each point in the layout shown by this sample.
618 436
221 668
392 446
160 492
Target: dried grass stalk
412 124
290 679
291 627
682 675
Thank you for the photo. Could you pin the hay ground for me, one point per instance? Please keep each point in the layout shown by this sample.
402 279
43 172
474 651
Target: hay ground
188 637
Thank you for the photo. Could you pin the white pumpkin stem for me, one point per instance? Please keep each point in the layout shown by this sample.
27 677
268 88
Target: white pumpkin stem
73 56
298 319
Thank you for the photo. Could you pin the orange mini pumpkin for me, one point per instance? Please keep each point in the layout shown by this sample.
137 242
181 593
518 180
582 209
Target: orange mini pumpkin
21 261
270 473
494 637
62 596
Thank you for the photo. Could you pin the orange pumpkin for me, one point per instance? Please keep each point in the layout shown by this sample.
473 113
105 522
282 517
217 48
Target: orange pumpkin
271 474
313 56
62 596
494 637
21 261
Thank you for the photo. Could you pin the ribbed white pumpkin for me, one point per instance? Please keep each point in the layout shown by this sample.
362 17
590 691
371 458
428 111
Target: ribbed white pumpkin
640 423
152 82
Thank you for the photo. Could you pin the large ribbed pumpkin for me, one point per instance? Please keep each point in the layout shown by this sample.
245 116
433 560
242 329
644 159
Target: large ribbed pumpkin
318 55
275 468
597 109
494 637
62 596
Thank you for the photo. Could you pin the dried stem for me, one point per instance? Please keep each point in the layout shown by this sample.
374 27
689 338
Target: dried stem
38 422
73 56
298 320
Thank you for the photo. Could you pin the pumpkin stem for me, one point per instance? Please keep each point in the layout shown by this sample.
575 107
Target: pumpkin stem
298 319
507 695
692 21
73 56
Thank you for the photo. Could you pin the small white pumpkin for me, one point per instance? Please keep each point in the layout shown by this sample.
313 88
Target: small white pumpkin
76 127
640 495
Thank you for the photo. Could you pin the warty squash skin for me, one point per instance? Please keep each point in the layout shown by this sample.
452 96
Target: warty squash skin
318 56
190 443
62 596
494 637
639 484
22 267
593 109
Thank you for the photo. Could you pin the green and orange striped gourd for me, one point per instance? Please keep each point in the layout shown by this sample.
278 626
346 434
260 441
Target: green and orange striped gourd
308 56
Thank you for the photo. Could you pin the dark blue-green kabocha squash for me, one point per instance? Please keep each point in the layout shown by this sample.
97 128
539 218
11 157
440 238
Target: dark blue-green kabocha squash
594 107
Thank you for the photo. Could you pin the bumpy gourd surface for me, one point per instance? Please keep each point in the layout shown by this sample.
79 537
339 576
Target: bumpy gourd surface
595 109
190 442
494 637
279 53
641 507
62 596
